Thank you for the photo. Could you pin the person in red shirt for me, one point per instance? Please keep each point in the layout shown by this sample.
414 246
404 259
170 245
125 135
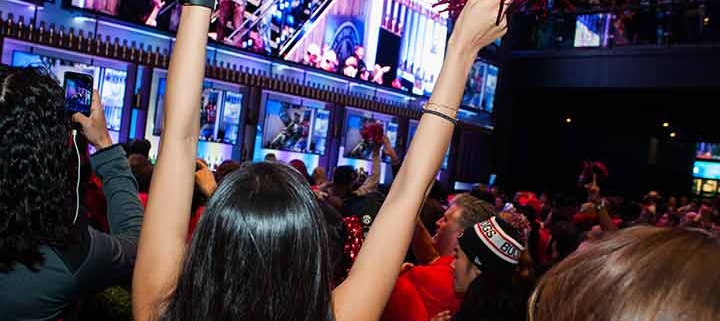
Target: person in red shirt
425 290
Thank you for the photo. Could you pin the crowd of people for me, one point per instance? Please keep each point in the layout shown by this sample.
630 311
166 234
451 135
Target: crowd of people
272 241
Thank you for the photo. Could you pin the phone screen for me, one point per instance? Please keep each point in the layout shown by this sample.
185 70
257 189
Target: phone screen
78 93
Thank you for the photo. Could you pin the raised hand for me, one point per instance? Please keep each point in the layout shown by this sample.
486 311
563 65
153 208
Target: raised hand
477 25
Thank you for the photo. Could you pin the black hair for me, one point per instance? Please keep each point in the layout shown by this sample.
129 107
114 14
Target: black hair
260 252
337 234
566 238
37 193
225 168
344 175
495 294
142 170
139 146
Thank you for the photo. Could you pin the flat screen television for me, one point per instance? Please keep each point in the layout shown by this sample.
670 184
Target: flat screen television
220 112
591 30
707 170
109 82
709 151
294 127
491 78
394 43
255 25
480 87
359 147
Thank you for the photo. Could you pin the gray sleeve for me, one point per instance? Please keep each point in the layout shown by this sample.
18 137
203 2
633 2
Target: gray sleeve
125 213
111 257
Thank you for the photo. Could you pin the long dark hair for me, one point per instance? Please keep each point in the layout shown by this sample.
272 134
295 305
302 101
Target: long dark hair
37 192
260 252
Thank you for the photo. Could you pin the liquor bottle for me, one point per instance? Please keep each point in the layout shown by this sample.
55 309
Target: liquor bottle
71 38
41 38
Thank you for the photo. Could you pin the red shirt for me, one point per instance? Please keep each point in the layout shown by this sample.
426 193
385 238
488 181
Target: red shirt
433 284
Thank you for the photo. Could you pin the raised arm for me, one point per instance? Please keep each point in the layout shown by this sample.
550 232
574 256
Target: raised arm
371 183
162 240
366 290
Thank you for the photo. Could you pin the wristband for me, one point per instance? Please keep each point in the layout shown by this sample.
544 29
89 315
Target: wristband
211 4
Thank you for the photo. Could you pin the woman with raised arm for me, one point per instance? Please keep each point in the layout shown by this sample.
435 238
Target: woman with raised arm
260 250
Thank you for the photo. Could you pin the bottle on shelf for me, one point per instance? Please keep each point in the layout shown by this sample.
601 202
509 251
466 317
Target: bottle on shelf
62 37
81 43
41 38
71 38
9 29
20 29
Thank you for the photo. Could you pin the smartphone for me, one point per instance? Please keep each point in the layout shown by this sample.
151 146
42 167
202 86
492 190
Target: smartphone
78 93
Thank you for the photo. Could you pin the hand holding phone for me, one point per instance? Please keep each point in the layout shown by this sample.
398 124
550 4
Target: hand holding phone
94 126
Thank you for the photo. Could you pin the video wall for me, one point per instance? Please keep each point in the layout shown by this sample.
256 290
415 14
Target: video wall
220 113
290 128
362 131
706 170
592 30
255 25
295 128
109 82
395 43
480 87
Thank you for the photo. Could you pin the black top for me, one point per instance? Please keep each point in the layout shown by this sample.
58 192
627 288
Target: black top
99 261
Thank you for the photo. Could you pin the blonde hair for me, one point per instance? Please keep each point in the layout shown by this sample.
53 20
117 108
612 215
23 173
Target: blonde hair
642 273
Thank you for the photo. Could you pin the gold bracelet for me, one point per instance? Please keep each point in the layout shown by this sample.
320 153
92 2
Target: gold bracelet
445 110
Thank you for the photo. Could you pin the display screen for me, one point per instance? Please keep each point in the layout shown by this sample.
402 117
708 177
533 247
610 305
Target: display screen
358 143
294 127
708 151
592 30
480 87
395 43
230 124
255 25
78 94
491 78
110 82
709 170
220 112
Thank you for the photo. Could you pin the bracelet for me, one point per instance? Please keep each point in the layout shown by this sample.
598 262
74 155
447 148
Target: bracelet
451 112
211 4
441 115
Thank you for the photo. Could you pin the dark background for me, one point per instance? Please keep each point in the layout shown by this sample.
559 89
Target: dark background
617 100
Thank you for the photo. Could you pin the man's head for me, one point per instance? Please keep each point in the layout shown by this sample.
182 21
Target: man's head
140 146
464 211
344 176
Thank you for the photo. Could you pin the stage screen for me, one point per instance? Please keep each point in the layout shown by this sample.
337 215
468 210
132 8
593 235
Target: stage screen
359 147
592 30
255 25
707 151
220 112
294 128
708 170
109 82
394 43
